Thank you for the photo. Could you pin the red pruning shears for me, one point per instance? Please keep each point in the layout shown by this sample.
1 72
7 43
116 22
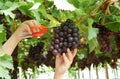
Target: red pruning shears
43 31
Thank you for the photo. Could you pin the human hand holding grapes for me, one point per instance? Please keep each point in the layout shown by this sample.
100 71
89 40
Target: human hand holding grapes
63 62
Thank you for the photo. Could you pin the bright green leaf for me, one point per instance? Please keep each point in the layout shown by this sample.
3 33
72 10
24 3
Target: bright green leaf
92 32
1 28
113 26
37 15
2 34
35 6
93 43
4 73
53 21
43 10
39 1
6 61
9 8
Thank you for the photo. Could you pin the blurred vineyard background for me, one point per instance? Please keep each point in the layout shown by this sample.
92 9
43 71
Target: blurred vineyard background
99 46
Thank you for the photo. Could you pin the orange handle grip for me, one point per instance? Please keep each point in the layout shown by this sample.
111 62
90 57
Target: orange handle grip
43 30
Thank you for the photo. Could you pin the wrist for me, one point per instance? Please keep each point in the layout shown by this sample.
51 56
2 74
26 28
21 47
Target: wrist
16 37
58 75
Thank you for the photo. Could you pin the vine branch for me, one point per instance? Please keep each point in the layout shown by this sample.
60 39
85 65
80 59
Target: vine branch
90 13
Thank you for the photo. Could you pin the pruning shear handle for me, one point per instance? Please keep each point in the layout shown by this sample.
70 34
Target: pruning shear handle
43 30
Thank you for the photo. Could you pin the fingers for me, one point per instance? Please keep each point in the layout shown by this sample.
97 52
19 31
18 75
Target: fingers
31 23
69 55
26 36
32 26
65 58
74 52
28 29
35 22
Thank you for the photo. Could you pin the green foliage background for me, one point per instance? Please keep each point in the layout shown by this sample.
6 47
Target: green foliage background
46 13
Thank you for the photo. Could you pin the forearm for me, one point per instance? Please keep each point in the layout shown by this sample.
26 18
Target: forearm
10 45
58 76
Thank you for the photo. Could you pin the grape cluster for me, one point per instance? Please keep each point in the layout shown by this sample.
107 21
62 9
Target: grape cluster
103 37
65 36
36 53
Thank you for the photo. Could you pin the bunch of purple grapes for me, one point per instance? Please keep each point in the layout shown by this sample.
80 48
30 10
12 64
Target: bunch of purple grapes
103 37
36 53
65 36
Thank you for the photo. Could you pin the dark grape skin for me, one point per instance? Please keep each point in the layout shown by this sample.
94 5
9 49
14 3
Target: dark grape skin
56 46
69 30
69 44
75 34
76 38
60 44
56 30
55 52
69 35
64 49
56 36
75 30
61 34
61 39
70 39
65 44
59 50
51 48
57 41
65 28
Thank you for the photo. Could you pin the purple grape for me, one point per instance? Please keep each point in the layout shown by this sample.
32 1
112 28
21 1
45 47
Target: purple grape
61 39
65 44
51 48
55 52
70 39
69 44
56 36
56 46
60 44
75 30
65 28
61 34
75 34
57 41
69 30
76 38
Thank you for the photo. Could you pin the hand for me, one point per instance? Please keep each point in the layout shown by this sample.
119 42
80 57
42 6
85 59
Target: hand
24 31
63 62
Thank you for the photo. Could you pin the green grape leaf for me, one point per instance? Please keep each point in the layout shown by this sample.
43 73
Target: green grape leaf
4 73
53 21
1 28
43 10
2 34
93 43
35 6
92 32
37 15
39 1
25 8
113 26
6 61
8 11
